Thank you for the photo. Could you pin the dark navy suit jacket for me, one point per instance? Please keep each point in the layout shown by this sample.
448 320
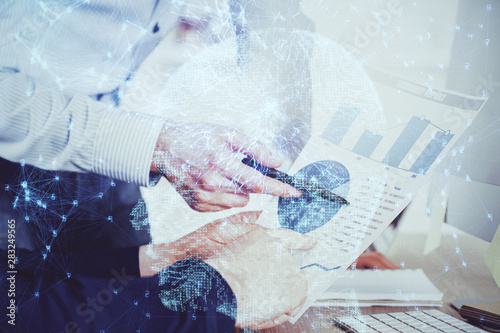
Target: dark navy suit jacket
77 268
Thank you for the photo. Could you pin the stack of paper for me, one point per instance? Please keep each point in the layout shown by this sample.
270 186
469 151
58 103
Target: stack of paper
408 287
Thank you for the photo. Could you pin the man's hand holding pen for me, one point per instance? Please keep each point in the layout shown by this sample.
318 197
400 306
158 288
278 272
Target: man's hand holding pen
200 161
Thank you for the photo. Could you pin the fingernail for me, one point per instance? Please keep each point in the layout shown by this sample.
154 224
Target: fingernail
274 159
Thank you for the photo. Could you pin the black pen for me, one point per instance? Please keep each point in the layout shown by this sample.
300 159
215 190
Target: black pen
297 183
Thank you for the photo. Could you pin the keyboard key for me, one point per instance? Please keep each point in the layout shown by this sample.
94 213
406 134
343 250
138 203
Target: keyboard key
398 315
432 329
381 316
388 330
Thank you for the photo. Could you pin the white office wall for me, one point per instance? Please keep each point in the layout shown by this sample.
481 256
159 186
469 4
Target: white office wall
413 38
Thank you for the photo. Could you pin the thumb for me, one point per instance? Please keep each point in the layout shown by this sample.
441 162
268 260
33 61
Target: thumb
292 240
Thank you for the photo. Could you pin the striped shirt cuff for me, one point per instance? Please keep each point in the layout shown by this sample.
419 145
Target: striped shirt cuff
124 145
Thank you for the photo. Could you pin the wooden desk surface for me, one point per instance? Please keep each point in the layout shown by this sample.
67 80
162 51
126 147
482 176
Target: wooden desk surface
456 268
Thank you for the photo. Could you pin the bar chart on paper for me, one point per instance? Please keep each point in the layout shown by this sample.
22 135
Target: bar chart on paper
413 145
388 156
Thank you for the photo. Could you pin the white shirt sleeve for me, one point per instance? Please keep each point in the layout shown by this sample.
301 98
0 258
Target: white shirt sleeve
40 128
51 61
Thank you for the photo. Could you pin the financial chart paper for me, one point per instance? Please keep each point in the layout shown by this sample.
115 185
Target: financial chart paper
378 170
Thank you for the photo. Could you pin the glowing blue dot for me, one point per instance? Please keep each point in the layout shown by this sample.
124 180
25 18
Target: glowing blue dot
27 218
23 163
68 275
56 178
24 184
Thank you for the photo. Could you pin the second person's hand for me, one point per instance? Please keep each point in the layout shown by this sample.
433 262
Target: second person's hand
264 276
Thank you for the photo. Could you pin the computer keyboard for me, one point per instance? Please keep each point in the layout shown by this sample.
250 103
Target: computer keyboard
428 321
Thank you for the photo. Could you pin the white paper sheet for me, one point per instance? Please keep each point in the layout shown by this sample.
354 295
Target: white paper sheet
385 170
404 287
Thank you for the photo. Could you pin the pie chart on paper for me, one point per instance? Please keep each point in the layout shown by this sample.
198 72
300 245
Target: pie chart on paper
310 212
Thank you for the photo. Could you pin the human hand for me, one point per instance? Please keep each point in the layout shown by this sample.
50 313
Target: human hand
199 160
264 276
373 260
249 265
200 244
